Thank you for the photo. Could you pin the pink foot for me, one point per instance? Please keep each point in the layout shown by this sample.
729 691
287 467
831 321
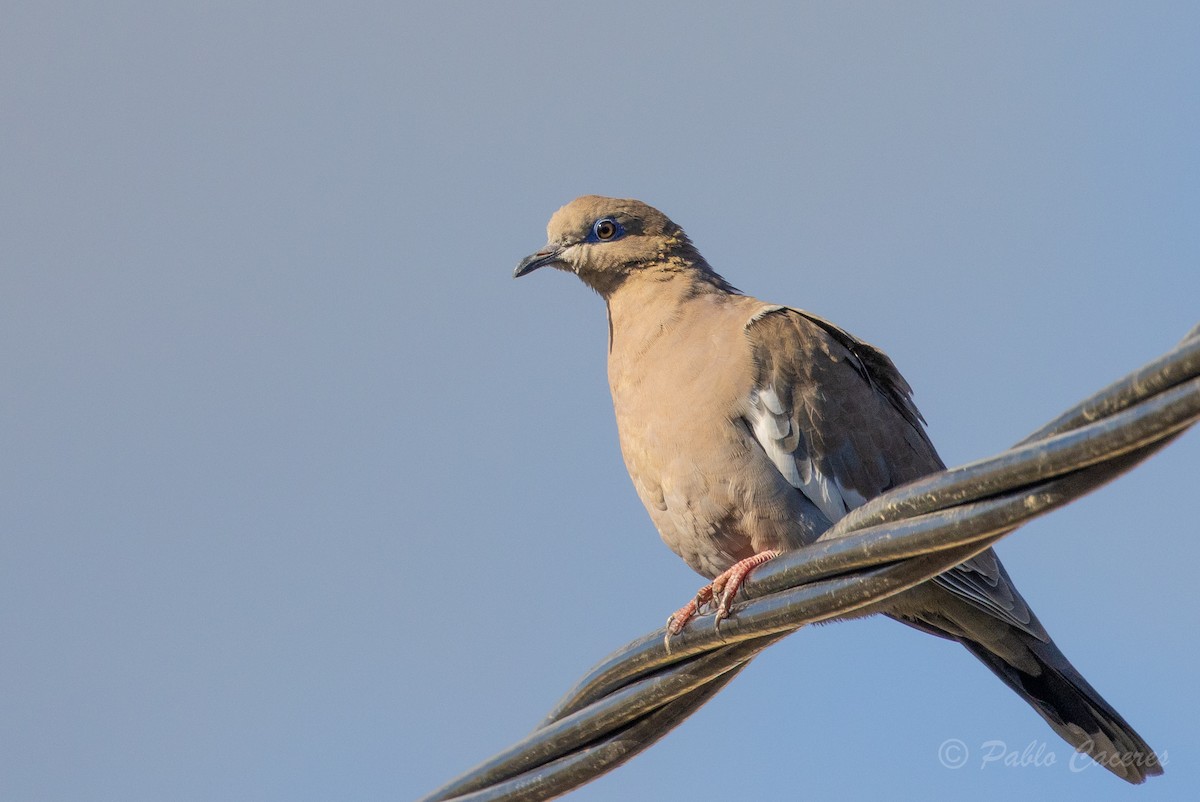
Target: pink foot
687 612
723 588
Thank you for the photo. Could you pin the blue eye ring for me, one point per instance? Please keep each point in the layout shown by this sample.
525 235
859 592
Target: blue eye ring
605 229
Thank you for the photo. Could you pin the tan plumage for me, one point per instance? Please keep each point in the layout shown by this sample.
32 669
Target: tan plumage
749 427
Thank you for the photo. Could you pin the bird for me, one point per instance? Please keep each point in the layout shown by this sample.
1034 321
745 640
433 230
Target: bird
749 428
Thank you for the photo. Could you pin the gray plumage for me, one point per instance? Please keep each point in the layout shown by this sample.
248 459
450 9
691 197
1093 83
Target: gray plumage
749 427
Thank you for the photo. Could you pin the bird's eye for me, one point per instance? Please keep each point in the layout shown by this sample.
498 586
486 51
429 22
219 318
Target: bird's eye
606 229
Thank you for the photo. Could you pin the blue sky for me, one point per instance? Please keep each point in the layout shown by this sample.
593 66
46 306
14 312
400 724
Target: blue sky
305 498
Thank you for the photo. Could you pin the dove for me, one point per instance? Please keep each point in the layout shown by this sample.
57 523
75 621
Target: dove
749 428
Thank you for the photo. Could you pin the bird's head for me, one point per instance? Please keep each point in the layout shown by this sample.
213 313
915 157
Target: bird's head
604 241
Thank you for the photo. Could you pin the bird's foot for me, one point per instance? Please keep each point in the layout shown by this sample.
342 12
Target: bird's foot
722 589
678 619
729 583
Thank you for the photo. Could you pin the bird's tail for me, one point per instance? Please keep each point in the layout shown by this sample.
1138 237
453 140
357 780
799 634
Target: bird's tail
1072 707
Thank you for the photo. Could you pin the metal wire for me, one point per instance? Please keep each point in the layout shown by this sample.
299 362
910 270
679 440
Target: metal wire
898 540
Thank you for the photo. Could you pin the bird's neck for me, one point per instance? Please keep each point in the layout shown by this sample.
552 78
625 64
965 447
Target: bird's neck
645 306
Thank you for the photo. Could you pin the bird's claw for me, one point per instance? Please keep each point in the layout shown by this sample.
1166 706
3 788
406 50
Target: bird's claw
725 605
721 590
680 618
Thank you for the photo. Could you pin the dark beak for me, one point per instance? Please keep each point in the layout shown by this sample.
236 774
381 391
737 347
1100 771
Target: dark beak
546 256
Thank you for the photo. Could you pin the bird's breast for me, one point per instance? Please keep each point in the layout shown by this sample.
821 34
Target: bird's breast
677 395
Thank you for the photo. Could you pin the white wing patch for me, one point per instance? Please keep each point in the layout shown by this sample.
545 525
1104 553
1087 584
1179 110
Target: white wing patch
784 445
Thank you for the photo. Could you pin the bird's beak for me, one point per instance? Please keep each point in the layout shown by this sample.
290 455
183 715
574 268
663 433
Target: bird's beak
546 256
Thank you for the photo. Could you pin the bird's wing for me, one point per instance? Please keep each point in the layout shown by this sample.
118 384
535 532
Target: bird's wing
837 419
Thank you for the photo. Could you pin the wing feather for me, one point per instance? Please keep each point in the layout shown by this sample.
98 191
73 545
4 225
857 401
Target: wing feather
838 421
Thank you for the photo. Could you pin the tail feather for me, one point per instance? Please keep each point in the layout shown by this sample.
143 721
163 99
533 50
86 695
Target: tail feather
1072 707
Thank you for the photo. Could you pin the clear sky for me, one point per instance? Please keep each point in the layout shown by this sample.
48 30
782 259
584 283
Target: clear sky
304 498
